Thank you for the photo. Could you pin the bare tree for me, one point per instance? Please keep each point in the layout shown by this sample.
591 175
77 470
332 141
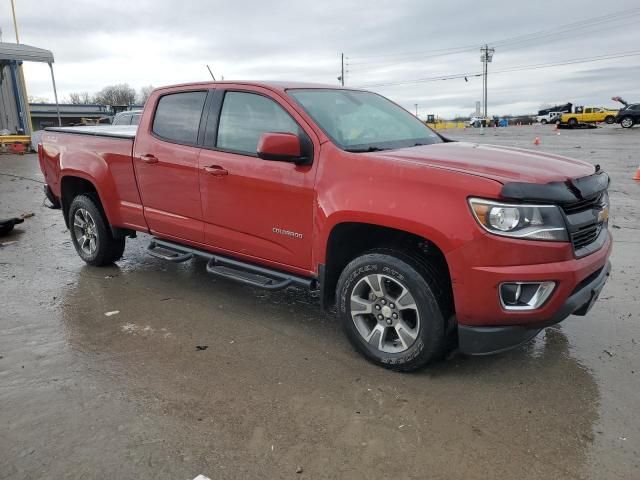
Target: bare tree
79 98
121 94
144 93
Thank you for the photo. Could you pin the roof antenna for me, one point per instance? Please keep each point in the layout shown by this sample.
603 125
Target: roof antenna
211 73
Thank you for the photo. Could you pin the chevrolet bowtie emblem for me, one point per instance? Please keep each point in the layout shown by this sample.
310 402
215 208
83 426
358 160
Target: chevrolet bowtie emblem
603 215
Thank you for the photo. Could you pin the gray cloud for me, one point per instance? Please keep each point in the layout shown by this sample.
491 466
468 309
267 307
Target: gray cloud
160 42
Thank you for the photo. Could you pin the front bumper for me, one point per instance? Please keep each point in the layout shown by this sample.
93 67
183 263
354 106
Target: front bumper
489 340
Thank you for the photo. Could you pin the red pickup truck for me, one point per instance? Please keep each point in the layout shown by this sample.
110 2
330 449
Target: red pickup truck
419 242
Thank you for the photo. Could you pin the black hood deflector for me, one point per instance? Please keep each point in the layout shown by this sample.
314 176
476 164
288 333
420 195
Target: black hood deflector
569 191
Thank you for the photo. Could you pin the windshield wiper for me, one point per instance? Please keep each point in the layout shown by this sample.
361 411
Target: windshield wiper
364 150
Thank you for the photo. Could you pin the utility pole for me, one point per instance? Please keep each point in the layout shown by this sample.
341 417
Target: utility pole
416 109
27 110
486 56
342 69
15 23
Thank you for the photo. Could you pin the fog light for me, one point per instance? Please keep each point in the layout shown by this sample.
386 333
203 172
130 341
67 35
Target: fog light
524 295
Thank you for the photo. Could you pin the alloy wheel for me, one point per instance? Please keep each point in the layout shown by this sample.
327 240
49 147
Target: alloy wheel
385 313
85 231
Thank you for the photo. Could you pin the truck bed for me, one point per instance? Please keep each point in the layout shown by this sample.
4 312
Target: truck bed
118 131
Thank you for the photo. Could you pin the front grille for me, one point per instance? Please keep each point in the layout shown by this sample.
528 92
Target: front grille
583 236
582 205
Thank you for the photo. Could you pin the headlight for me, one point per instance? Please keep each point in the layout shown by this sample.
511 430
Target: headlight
534 222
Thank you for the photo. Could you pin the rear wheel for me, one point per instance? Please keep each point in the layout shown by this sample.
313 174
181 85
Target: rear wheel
389 308
626 122
572 122
91 234
610 119
543 121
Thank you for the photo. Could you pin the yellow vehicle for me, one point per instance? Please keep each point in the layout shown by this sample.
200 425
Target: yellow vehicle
589 115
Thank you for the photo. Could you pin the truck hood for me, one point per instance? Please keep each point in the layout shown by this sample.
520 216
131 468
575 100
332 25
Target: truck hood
503 164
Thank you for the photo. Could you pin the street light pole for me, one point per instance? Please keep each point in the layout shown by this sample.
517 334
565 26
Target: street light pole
416 109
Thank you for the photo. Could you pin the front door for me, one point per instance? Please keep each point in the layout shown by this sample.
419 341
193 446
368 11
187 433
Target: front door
166 164
252 207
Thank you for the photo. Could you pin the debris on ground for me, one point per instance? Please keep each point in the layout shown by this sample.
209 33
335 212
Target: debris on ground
611 354
7 225
27 215
201 347
299 470
4 244
114 312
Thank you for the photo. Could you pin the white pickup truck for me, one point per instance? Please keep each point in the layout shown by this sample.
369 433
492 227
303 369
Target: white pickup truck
551 117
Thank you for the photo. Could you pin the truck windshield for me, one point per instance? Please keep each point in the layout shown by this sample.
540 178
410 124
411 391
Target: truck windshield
363 121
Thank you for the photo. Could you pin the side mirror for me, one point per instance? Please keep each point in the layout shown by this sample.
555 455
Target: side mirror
282 147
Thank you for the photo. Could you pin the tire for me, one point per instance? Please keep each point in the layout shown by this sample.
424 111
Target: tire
627 122
543 121
572 122
610 120
405 331
91 234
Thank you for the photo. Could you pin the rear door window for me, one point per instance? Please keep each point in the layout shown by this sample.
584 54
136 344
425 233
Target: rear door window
177 117
245 117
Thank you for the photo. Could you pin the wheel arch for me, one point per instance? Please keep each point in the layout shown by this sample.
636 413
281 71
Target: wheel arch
347 240
73 184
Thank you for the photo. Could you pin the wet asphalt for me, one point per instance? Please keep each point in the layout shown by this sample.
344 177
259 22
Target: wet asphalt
278 392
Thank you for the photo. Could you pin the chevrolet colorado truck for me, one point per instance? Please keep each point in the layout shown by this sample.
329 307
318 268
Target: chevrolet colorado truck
420 243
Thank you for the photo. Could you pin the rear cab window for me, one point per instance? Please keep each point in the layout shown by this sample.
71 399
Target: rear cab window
177 117
121 120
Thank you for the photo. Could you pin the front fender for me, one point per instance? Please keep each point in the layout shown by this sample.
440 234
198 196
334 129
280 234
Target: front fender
425 201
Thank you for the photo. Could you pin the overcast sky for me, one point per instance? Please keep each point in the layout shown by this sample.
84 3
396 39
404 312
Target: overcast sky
159 42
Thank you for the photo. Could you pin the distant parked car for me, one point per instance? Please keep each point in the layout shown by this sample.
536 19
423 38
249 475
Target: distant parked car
130 117
478 122
629 115
551 117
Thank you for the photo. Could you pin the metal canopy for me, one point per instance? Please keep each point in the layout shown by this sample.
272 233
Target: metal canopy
24 53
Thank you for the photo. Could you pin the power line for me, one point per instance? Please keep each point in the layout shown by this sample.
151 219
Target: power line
559 28
507 43
509 69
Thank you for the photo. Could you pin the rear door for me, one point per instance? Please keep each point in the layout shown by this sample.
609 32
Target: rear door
252 207
166 165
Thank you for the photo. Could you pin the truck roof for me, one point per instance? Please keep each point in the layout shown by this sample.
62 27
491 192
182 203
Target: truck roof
271 84
117 131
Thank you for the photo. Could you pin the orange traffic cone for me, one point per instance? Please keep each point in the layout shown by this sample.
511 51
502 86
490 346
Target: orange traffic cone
536 141
637 175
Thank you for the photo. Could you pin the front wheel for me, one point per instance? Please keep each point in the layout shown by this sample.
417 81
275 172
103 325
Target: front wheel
627 122
91 234
610 119
572 122
543 121
390 311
